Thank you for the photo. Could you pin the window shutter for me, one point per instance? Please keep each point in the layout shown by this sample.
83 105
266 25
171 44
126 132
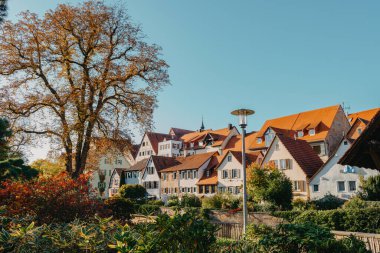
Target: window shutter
303 185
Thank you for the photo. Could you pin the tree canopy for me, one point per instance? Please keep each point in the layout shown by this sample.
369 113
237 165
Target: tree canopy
76 73
5 133
15 169
3 10
269 185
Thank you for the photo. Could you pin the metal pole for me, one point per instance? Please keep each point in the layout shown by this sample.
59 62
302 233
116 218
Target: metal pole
245 210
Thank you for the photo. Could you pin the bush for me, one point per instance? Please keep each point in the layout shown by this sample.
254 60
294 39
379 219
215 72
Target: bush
328 202
156 202
190 200
221 201
269 185
287 215
262 207
302 205
300 238
354 220
56 199
132 191
121 208
370 189
15 169
173 201
358 203
147 209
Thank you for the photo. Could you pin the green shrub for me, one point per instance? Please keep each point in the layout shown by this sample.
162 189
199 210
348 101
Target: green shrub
173 201
147 209
262 207
358 203
213 202
156 202
222 201
354 220
190 200
302 205
121 208
133 192
370 188
328 202
299 238
287 215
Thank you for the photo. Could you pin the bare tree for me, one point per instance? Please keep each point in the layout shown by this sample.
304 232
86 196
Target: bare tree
79 72
3 10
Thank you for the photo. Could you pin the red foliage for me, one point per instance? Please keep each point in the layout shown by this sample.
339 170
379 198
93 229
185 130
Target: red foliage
58 198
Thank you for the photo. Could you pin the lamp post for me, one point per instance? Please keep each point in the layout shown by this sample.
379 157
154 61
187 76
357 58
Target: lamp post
243 113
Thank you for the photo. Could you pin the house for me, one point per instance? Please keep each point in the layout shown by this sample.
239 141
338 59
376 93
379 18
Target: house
208 183
230 171
182 178
296 159
365 151
322 128
204 141
131 175
342 181
149 144
151 176
359 121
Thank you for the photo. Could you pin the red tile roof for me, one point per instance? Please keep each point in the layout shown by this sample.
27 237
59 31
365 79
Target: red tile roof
138 166
190 162
155 138
303 154
180 132
212 179
322 119
163 162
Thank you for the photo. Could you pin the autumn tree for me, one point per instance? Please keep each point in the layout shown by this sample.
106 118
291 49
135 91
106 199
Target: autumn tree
3 10
79 72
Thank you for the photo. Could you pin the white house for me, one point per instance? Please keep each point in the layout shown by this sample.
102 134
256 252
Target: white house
152 174
342 181
230 171
296 159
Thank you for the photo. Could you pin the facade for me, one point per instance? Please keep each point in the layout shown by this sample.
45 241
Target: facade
322 128
230 171
342 181
296 159
359 121
151 176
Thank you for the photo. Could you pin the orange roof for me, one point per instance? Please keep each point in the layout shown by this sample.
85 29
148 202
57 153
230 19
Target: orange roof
322 119
235 143
212 179
366 115
220 134
190 162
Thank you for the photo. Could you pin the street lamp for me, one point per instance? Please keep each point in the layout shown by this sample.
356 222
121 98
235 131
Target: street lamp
243 113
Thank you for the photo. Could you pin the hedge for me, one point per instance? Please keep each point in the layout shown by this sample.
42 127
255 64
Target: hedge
354 220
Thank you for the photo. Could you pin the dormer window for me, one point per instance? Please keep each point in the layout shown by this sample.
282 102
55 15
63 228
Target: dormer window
259 140
360 130
300 134
229 158
312 132
207 173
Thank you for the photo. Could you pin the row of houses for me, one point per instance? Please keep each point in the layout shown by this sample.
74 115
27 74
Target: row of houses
306 147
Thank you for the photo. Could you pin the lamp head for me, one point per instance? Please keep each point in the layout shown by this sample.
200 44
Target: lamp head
242 113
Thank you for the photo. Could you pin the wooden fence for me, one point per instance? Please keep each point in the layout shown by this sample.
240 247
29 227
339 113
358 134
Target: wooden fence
235 231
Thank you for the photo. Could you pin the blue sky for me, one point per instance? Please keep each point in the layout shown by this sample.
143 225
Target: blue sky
276 57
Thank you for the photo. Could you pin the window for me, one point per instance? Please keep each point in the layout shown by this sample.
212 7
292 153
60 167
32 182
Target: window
235 173
222 189
299 186
274 163
155 185
129 175
118 161
345 143
200 189
225 174
352 186
277 147
285 164
174 175
360 130
195 189
230 189
319 149
212 188
135 174
229 158
237 189
341 186
207 173
207 189
312 132
189 174
300 134
259 140
107 161
316 188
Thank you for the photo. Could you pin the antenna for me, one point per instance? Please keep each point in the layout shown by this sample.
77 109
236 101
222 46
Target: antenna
346 108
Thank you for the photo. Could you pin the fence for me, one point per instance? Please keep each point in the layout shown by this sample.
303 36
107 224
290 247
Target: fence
235 231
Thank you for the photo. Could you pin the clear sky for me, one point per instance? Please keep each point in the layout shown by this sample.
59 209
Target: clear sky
276 57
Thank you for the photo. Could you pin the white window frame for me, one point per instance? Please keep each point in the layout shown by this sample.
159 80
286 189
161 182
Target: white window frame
344 186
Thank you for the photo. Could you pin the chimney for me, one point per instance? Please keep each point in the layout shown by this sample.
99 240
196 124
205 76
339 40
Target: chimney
229 126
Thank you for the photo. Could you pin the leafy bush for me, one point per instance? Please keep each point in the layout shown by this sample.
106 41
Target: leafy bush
358 203
190 200
354 220
58 198
180 233
370 189
147 209
15 169
299 238
302 205
328 202
221 201
269 185
132 191
156 202
121 208
173 201
287 215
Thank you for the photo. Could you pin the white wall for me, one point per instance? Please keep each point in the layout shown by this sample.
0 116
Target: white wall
166 148
107 169
152 177
230 182
332 172
192 182
145 151
294 174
